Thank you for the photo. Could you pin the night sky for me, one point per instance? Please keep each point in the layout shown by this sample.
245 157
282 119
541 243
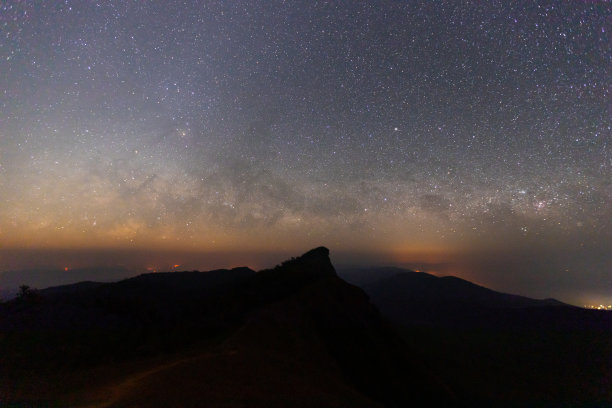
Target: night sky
471 138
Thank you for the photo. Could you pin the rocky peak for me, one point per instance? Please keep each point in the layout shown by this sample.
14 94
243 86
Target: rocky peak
295 272
314 263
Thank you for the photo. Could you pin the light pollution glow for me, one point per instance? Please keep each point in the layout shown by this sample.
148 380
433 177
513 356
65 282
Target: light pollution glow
460 138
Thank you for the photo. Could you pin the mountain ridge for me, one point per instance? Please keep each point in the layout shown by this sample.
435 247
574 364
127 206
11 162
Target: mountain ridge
418 284
297 314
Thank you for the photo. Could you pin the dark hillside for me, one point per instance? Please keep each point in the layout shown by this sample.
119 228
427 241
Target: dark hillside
308 331
496 348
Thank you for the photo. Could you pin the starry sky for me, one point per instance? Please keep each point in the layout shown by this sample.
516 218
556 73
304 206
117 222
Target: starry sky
471 138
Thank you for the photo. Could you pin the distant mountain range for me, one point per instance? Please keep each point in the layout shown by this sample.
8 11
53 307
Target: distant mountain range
490 346
397 284
298 335
418 298
46 277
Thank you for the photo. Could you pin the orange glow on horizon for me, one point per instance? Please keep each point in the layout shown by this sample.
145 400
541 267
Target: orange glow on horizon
428 255
26 239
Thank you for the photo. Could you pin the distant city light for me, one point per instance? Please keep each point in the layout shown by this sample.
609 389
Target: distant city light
598 307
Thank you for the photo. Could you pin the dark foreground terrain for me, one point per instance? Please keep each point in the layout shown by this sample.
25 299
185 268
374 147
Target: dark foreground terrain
495 347
298 336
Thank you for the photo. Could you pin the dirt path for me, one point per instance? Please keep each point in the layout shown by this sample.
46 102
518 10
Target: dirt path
111 394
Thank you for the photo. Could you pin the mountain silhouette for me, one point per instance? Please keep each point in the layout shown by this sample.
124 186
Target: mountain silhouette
493 348
44 277
410 297
423 287
293 335
298 335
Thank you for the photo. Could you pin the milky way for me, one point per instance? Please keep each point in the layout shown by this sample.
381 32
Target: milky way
473 138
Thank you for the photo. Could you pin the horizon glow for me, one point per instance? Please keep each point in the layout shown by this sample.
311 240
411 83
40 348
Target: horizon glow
470 139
